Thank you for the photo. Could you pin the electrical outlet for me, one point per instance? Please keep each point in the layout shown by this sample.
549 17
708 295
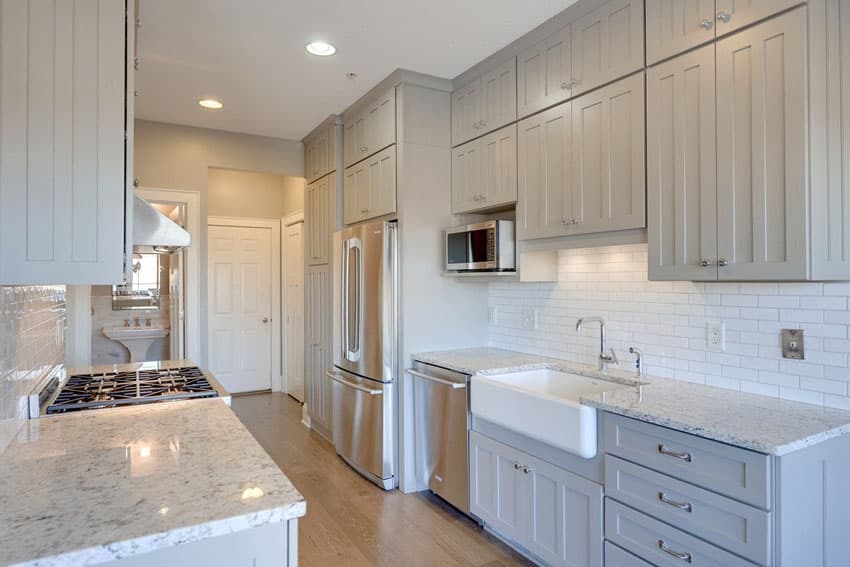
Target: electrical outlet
494 315
716 335
793 344
529 318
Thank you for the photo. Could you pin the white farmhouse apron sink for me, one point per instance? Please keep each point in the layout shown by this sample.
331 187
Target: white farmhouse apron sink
542 404
137 340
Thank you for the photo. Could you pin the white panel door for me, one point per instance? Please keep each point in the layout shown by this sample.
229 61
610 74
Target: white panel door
607 44
293 329
733 15
240 307
681 161
62 145
674 26
544 73
761 151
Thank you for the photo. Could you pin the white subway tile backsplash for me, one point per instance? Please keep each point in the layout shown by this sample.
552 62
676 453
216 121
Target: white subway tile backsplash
667 320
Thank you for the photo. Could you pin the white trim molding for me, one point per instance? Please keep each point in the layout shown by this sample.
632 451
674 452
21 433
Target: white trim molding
291 219
277 326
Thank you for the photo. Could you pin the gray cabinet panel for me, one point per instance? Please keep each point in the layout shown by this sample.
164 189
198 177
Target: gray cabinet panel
681 168
761 162
564 517
739 473
498 168
829 112
546 199
609 157
317 319
733 15
618 557
660 543
674 26
736 527
466 176
607 44
466 108
544 76
317 219
498 97
495 490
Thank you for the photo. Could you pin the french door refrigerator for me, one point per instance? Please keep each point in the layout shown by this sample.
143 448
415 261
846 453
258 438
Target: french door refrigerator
365 349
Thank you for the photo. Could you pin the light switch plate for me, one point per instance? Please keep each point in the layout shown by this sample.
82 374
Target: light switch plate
793 346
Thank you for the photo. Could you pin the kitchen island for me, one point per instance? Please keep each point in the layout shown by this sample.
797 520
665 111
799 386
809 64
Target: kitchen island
173 483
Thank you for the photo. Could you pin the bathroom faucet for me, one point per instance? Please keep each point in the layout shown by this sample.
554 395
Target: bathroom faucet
604 358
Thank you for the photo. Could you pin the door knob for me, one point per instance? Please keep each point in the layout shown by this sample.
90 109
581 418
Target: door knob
706 24
724 17
265 319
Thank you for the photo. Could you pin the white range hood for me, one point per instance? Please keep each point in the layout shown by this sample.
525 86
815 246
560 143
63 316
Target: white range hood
153 232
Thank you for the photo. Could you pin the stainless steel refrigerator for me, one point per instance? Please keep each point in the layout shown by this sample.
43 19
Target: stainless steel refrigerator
365 353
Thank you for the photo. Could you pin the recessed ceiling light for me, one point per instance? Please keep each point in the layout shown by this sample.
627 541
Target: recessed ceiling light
321 48
210 103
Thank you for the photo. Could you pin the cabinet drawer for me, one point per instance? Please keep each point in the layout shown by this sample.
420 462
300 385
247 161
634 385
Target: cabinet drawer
724 522
731 471
660 544
618 557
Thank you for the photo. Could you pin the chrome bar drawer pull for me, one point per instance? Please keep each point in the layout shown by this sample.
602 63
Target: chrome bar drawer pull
681 555
665 451
686 506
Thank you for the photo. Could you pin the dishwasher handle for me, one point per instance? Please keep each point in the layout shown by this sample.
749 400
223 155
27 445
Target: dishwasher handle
338 378
449 383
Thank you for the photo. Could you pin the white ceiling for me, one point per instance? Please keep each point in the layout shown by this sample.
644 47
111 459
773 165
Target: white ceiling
250 54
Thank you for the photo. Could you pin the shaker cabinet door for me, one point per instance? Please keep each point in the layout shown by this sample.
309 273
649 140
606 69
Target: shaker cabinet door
498 168
64 196
544 75
733 15
382 183
498 97
761 151
496 492
546 200
609 161
317 220
674 26
466 112
466 177
318 335
381 123
607 44
681 162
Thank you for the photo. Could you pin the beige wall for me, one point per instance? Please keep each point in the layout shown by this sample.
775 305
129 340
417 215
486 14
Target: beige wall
250 194
169 156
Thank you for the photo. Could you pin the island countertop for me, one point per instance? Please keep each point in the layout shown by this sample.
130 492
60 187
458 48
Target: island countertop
95 486
760 423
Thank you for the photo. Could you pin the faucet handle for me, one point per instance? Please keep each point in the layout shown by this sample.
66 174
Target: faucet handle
614 358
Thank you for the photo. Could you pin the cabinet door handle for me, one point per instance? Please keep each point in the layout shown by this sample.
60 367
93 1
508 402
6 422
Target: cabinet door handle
706 263
686 506
722 262
724 17
526 470
706 24
681 456
516 466
680 555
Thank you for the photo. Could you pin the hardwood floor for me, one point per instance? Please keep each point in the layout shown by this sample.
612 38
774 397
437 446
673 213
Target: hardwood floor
352 522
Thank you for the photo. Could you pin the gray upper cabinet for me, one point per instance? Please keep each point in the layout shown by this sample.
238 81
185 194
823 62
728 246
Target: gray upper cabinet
65 200
546 205
485 104
544 75
607 44
761 151
681 168
317 219
484 172
609 157
370 129
369 187
319 154
733 15
674 26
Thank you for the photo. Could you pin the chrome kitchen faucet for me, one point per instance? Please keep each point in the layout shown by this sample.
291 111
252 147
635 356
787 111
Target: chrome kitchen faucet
604 358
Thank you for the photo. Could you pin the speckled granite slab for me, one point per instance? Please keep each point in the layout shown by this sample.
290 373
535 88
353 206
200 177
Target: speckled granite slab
764 424
90 487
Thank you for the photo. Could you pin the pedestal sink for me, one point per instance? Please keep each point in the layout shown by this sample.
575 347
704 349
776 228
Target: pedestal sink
542 404
137 340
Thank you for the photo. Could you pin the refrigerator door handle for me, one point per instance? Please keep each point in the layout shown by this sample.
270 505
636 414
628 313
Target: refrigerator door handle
352 268
344 299
338 378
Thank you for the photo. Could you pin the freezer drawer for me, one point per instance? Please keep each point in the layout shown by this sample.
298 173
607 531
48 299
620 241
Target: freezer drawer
363 429
442 432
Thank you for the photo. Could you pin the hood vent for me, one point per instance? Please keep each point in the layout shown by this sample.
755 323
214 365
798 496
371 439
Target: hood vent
153 232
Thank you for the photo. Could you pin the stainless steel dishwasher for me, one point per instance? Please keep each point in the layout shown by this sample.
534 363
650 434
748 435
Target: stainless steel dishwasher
442 421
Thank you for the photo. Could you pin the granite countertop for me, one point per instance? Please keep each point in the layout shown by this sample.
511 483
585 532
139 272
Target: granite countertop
90 487
760 423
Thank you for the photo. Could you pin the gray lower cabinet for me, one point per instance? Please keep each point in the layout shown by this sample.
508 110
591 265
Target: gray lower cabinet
554 514
317 361
619 557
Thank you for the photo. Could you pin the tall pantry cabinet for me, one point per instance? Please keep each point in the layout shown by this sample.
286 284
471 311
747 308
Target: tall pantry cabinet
323 160
65 141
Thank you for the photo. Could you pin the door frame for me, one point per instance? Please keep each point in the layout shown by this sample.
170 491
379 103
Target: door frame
287 221
192 201
274 226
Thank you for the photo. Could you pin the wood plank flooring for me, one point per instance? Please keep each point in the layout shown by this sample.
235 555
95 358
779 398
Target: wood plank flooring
352 522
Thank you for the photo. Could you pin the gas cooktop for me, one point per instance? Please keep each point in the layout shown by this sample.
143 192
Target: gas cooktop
112 389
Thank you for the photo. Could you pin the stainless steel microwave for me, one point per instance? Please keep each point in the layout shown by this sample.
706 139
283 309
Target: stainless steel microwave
482 247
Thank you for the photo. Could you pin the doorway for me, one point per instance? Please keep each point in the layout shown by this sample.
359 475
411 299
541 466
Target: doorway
243 303
293 332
